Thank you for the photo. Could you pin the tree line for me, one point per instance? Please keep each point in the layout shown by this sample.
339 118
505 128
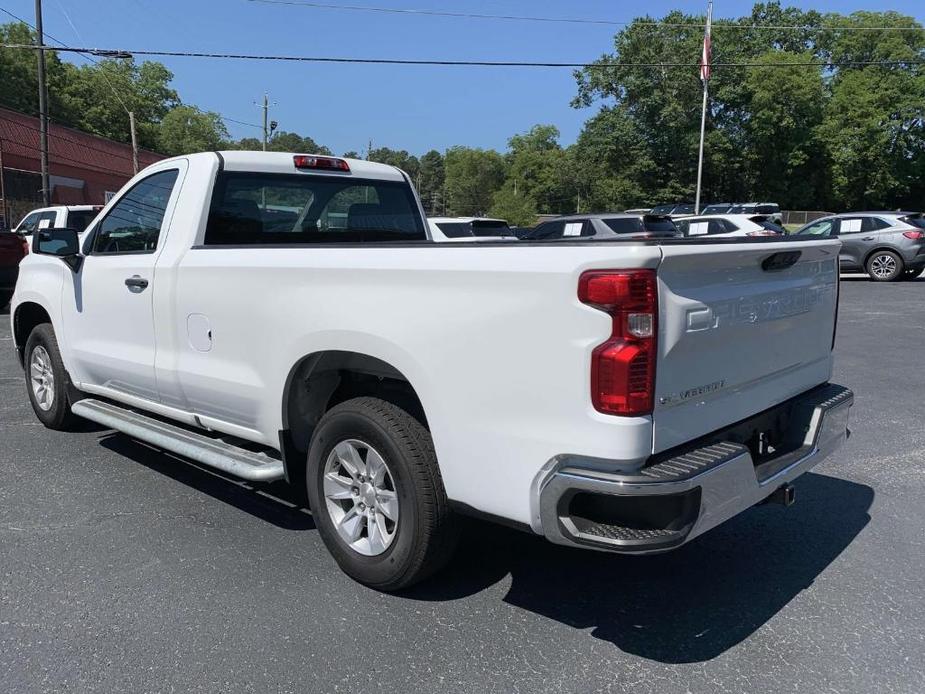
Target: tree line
798 115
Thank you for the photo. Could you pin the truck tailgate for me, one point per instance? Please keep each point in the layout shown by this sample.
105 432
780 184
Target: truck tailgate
743 327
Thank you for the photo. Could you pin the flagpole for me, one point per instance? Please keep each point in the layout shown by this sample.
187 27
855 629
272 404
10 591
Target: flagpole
704 73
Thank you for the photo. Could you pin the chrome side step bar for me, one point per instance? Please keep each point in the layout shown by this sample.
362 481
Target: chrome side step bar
256 467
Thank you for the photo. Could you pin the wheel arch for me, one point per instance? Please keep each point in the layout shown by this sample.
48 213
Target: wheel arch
320 380
26 317
880 249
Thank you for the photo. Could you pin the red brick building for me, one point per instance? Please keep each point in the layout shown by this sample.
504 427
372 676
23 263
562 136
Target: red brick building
83 168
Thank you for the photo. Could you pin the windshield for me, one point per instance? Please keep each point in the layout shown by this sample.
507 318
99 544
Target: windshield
821 228
716 209
662 209
682 209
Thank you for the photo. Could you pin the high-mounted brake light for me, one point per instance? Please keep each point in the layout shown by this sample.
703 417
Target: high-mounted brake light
914 235
307 161
623 367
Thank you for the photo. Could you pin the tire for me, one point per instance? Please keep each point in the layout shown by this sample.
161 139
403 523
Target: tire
909 275
386 553
47 380
885 266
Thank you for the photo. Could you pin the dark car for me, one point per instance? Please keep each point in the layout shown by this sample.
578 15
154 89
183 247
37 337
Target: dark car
886 245
674 209
13 248
601 226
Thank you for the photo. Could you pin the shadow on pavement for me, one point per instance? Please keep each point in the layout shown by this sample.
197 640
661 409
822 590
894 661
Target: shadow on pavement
685 606
273 503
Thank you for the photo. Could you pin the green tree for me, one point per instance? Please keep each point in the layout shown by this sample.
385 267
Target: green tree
99 96
431 179
472 177
291 142
516 207
19 88
538 166
186 129
783 144
400 158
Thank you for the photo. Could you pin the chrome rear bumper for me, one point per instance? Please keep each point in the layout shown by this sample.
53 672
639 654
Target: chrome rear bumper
676 498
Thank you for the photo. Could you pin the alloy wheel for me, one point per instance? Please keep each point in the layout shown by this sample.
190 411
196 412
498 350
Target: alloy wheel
360 497
42 378
883 266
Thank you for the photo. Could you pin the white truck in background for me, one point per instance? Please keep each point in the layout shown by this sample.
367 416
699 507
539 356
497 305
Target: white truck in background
282 316
76 217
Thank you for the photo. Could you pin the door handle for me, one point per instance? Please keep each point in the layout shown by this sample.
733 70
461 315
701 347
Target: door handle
136 282
868 238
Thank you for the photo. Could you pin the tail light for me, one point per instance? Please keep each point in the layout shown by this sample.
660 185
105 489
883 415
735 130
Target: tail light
914 235
623 367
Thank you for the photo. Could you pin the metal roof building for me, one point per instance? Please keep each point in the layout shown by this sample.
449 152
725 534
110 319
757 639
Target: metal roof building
83 168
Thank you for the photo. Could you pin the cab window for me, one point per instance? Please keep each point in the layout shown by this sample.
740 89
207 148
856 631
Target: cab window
133 224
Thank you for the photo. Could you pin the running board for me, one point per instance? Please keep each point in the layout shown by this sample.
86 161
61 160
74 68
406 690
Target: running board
256 467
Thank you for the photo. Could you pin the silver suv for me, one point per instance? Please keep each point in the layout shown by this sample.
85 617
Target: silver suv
887 246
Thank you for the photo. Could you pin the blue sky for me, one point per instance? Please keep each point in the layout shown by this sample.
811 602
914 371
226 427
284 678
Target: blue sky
403 107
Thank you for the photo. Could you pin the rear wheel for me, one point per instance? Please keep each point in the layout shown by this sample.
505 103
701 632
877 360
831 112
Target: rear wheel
46 379
912 274
885 266
376 494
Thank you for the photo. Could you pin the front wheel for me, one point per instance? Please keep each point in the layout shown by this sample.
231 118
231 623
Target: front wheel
885 266
377 496
46 379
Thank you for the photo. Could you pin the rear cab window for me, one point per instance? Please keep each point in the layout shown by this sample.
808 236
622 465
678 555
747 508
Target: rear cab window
285 209
454 230
490 227
79 220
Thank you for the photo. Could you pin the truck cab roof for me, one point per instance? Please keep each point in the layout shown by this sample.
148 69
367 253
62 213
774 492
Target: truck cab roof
285 163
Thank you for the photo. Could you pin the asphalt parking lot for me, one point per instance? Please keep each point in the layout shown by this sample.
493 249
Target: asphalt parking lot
125 569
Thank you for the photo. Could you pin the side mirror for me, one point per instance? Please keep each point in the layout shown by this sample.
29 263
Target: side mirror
60 242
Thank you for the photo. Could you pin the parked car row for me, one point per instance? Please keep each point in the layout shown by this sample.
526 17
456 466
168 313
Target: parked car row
683 209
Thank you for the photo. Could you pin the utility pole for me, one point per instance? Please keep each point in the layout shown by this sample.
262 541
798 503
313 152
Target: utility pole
131 124
4 224
705 76
266 126
43 105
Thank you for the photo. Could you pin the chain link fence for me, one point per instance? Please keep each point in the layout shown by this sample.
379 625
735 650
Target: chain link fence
801 217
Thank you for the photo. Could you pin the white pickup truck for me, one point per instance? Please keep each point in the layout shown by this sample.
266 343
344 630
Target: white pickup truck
282 316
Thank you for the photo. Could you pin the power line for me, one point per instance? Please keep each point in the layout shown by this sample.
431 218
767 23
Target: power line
63 47
568 20
466 63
